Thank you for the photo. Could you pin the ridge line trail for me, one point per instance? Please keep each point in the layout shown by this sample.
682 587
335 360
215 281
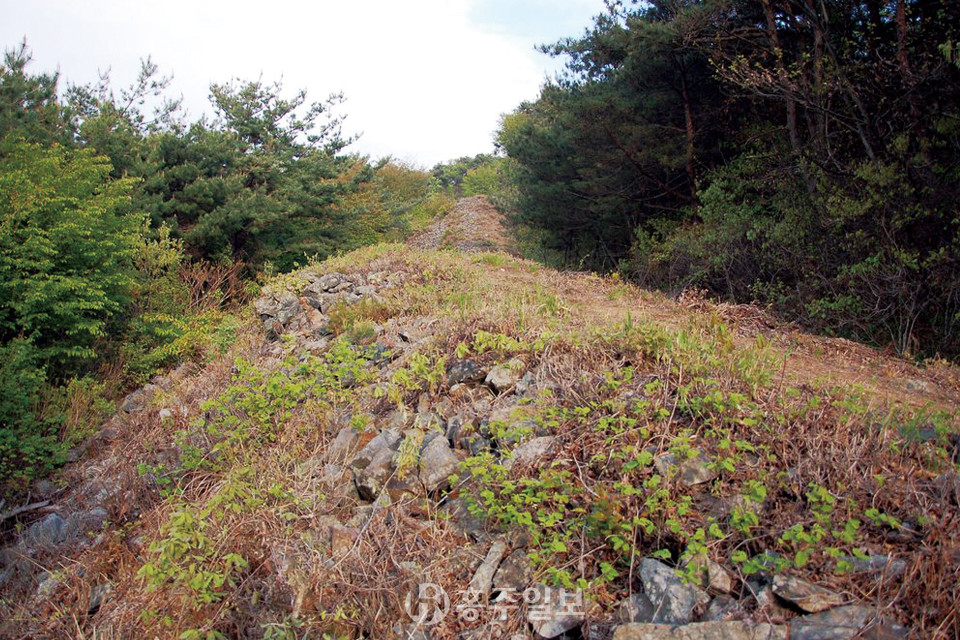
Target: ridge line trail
474 225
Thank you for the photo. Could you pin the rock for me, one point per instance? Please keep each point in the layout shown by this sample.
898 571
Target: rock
691 471
465 372
770 605
714 577
97 595
437 463
504 376
95 518
514 573
135 402
343 539
476 445
886 565
462 522
948 486
50 532
43 488
343 445
674 600
556 612
733 630
531 451
722 608
482 580
287 308
331 281
47 583
456 428
526 385
386 439
843 623
636 608
409 632
366 290
165 415
373 477
809 597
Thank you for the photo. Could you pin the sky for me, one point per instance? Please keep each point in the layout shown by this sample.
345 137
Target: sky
425 80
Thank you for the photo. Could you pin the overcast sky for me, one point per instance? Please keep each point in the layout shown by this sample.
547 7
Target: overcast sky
425 80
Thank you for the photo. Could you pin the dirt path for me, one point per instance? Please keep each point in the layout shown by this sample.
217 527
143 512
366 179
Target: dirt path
475 225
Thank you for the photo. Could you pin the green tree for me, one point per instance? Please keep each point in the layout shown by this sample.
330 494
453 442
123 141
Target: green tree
29 107
65 250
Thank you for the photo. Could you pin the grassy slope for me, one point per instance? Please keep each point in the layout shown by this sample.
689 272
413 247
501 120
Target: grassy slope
823 449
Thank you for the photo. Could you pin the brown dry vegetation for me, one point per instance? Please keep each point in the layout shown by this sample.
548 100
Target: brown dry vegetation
616 371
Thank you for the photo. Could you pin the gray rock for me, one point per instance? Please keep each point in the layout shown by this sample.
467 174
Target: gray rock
386 439
636 608
948 486
135 402
505 376
886 565
842 623
551 616
47 583
409 632
771 606
482 580
366 290
97 595
809 597
734 630
373 477
723 608
287 308
43 488
674 600
343 445
456 428
531 451
465 372
50 532
514 573
343 539
462 522
437 463
714 577
331 281
95 518
691 471
526 385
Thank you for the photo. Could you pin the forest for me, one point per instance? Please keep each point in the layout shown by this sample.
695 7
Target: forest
799 154
128 235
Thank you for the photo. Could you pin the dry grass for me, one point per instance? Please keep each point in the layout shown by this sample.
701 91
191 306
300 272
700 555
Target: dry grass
576 331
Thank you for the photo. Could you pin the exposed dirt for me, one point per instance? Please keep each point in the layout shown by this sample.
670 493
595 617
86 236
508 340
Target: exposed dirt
473 225
476 225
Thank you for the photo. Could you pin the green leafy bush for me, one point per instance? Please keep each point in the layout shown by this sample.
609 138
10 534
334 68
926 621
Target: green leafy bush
65 251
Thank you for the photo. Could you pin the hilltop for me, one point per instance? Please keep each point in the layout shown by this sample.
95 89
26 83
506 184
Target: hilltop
445 417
